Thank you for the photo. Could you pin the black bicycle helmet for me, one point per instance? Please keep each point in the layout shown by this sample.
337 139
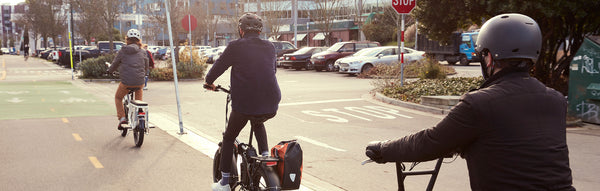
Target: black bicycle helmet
250 22
510 36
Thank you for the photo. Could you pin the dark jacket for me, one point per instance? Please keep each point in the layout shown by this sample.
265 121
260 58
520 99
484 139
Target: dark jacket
132 63
254 87
511 131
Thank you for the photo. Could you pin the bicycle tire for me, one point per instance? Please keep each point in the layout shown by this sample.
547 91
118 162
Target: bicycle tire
138 133
126 109
267 179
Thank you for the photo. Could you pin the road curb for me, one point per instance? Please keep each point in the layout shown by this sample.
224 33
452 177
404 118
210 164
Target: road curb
419 107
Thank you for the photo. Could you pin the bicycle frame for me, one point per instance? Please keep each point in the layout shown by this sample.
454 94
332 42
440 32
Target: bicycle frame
136 112
251 163
401 174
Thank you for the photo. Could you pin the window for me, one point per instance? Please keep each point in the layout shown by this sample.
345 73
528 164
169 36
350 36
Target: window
360 46
348 47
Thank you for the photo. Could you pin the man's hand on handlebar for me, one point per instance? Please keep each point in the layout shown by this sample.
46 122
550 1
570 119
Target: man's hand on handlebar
373 151
210 87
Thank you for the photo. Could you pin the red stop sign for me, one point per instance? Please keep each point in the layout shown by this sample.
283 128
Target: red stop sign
404 6
186 24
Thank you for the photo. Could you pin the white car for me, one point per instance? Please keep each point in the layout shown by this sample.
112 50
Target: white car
5 51
365 59
214 53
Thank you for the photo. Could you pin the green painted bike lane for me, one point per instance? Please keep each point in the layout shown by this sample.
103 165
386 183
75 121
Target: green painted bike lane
48 99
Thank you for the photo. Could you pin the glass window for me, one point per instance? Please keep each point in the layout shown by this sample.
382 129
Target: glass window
360 46
348 47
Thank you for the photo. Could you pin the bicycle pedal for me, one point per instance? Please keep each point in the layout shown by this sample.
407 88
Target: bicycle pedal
125 126
152 126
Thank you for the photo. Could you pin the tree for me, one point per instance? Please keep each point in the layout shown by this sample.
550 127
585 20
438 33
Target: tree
273 13
561 22
46 18
323 14
110 12
90 19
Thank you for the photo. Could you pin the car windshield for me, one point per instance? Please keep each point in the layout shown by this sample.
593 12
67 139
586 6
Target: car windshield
303 50
336 46
367 52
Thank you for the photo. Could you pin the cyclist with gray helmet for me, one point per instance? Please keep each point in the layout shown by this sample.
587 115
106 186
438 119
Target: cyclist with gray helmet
511 131
132 63
255 92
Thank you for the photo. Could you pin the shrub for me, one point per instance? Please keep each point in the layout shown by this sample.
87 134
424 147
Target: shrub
94 68
413 91
185 69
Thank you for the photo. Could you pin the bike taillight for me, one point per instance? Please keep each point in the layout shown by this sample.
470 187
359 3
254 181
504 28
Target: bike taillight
271 163
141 113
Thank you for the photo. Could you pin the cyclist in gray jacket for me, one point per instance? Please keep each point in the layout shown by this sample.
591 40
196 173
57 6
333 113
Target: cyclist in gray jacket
511 131
132 63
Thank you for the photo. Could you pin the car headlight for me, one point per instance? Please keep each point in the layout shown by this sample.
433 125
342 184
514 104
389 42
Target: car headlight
320 57
354 63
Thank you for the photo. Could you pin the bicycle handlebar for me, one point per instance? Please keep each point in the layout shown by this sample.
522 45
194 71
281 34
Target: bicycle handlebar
217 88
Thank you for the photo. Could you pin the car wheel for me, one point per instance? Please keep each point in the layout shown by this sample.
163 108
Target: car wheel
330 67
366 68
464 61
309 66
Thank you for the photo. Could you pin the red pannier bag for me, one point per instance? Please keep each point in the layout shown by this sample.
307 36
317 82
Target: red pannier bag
289 167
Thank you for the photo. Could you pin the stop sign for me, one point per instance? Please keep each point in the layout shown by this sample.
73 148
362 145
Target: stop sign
185 22
404 6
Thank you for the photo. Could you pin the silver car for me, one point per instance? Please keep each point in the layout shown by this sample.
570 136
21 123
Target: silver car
364 60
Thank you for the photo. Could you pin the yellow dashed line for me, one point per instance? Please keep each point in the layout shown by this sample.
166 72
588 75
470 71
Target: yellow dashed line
52 110
43 100
77 137
95 162
65 120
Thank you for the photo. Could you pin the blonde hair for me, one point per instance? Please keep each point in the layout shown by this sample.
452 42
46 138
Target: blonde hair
134 41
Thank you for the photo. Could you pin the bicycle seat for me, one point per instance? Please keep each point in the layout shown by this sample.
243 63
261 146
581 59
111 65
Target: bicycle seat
133 89
139 103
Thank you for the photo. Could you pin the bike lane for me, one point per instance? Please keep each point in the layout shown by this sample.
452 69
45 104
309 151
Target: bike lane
54 135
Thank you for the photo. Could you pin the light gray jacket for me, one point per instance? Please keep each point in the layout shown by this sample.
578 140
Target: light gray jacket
132 63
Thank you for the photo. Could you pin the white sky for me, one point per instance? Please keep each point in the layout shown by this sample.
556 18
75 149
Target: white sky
11 2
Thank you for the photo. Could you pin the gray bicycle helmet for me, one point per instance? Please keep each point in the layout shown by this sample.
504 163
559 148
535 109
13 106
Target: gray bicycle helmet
510 36
250 22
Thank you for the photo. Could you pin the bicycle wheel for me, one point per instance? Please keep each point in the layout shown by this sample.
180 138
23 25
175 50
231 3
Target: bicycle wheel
126 109
265 178
138 133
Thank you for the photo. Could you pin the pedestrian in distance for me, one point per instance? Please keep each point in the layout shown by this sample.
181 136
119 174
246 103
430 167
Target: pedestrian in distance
150 63
255 92
511 131
132 63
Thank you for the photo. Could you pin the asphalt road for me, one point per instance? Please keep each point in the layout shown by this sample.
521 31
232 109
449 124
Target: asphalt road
333 116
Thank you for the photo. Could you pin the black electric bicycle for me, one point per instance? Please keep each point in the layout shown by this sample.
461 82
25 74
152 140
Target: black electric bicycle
256 173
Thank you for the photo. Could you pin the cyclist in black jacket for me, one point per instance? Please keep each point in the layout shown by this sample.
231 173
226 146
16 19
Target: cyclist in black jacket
255 92
511 131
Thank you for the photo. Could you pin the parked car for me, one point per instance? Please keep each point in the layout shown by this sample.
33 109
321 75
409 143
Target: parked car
5 51
214 53
45 53
362 61
325 60
283 47
85 52
301 58
104 46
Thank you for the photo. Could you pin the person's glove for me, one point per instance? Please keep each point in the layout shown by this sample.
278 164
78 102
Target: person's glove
374 151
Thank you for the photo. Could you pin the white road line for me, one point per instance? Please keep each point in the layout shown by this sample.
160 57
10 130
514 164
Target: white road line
318 143
318 102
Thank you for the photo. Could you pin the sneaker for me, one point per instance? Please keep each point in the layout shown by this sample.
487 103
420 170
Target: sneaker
122 121
145 88
218 187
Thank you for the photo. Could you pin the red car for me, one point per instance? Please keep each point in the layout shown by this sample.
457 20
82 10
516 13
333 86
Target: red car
325 60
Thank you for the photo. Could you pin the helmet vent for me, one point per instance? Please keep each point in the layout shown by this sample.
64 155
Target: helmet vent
504 17
529 23
515 50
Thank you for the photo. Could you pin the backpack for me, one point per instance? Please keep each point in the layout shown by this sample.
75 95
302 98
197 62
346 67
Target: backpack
289 167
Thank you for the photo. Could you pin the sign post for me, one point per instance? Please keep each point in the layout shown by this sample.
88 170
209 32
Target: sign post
189 23
402 7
